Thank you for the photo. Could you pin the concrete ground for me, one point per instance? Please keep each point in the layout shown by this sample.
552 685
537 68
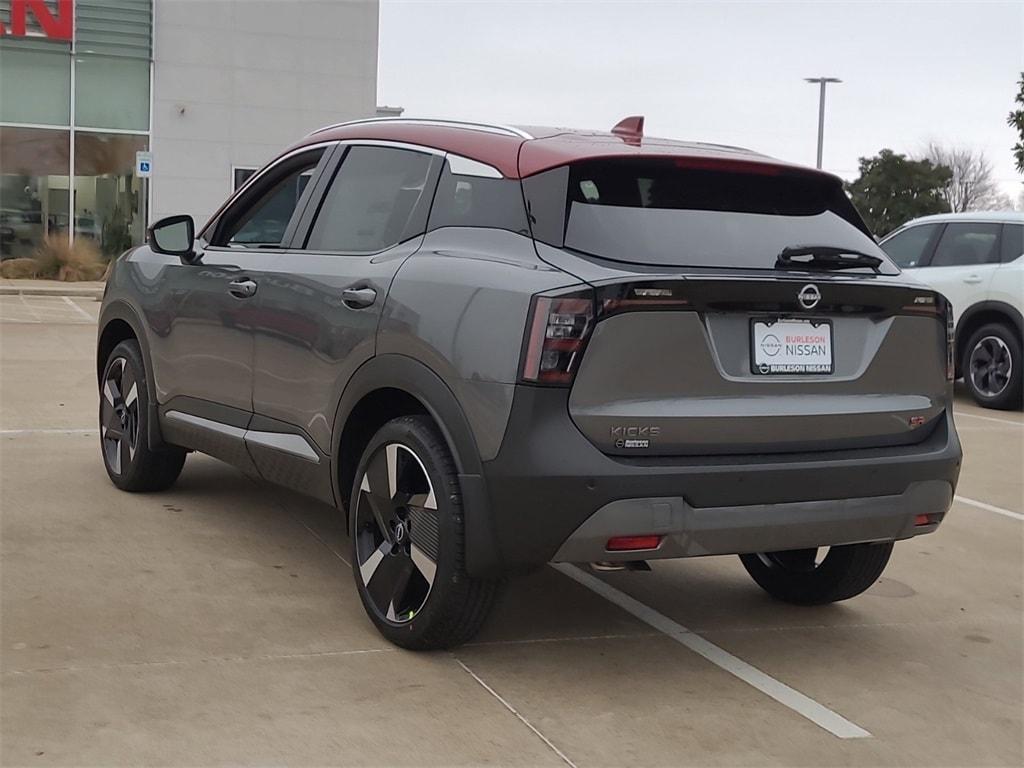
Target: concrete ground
218 623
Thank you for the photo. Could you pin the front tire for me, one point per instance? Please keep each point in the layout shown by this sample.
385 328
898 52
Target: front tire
124 415
408 540
801 577
993 367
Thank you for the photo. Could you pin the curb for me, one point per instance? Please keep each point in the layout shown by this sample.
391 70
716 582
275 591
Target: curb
70 291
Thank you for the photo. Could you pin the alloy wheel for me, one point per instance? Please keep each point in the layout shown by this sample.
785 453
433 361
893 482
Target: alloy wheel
396 533
119 415
991 366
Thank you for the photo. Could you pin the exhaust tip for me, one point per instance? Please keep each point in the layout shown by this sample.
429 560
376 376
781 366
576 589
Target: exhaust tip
607 566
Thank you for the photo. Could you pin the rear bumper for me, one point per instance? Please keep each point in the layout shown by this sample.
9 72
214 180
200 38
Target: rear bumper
551 495
688 531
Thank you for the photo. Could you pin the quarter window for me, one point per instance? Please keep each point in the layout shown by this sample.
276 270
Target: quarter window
909 247
967 244
1013 242
373 201
478 201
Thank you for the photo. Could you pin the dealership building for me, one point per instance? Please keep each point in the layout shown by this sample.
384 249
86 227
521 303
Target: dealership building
115 112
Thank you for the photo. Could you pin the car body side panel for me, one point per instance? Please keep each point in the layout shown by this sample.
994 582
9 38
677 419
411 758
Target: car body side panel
308 342
460 306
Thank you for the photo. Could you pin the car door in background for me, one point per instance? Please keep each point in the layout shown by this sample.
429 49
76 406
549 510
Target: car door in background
963 263
321 303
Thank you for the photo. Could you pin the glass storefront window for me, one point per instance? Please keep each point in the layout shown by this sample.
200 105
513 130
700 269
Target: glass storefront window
35 86
34 188
108 204
112 92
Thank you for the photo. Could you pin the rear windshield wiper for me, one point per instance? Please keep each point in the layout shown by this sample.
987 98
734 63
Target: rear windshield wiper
825 257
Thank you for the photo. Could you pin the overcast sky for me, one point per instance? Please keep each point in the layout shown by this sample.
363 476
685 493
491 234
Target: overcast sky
720 72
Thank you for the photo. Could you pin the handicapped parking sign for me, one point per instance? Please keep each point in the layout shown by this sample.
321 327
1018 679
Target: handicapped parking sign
144 164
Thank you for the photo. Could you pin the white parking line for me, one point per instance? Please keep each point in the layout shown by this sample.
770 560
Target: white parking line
515 712
958 414
4 432
803 705
989 507
78 309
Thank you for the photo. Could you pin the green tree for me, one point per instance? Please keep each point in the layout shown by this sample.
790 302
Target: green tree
892 189
1016 120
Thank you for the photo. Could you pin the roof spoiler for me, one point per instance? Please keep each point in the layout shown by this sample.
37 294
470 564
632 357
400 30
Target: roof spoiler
630 129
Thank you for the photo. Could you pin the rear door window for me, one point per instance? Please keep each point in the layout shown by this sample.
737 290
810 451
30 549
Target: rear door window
376 200
668 213
967 244
910 247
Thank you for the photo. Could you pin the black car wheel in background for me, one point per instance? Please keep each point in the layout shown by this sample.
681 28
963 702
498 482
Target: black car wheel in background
992 367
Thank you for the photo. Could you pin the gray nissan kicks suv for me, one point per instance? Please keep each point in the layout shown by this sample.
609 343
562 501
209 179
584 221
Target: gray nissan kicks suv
494 348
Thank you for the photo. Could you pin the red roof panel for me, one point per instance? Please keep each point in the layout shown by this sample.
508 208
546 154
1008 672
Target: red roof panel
516 156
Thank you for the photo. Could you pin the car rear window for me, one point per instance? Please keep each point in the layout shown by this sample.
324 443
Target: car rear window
662 213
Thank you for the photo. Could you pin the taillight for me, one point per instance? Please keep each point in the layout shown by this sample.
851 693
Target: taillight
556 334
950 343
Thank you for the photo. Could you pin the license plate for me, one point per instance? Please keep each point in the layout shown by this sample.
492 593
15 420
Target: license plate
790 347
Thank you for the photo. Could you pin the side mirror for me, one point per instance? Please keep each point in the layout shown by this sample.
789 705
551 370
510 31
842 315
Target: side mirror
174 236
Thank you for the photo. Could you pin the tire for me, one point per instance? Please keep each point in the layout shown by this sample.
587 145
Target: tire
993 367
124 415
799 577
412 581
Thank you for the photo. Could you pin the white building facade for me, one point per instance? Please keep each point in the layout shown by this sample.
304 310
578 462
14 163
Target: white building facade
212 89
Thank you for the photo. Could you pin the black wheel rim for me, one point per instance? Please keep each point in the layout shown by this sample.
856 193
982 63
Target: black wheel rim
793 560
991 366
396 533
119 415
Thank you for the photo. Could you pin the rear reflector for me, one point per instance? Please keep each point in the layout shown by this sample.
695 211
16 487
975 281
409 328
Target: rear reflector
630 543
926 519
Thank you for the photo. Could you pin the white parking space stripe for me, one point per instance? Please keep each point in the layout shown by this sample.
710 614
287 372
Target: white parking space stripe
960 414
11 432
803 705
78 309
989 507
515 712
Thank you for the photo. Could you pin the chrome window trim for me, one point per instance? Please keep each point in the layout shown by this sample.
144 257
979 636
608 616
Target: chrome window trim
392 144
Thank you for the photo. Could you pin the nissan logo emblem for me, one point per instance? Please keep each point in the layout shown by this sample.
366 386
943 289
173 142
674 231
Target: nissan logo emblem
809 296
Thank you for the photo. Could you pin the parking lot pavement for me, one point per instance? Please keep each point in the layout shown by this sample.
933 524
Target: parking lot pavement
218 623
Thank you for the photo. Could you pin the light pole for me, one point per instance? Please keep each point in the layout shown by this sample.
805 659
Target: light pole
823 81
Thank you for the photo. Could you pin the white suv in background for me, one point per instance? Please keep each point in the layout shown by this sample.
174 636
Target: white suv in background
977 261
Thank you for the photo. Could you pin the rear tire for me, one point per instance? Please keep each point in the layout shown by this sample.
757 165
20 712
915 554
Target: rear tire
797 576
124 424
408 540
993 367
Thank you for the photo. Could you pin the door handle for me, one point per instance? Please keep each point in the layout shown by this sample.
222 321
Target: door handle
358 298
243 288
972 279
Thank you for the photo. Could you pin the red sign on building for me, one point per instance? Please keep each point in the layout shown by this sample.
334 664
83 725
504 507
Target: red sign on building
55 22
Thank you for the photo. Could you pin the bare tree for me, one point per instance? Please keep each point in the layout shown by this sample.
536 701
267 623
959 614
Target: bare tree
972 187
